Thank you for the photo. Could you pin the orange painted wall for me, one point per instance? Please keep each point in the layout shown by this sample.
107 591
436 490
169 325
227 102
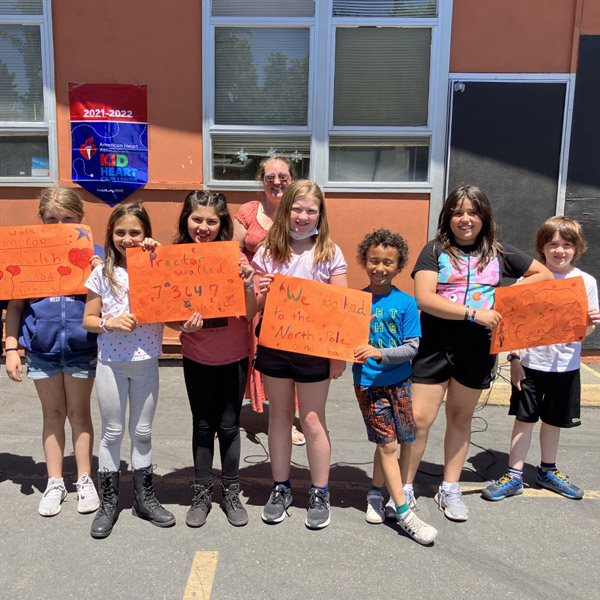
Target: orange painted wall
590 19
513 36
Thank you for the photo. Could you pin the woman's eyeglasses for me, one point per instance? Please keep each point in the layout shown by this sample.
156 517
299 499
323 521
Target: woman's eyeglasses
270 177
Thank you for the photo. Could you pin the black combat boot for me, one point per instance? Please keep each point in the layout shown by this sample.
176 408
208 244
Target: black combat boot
201 505
108 486
145 504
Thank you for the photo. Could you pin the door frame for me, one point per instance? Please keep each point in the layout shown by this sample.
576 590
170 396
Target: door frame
567 78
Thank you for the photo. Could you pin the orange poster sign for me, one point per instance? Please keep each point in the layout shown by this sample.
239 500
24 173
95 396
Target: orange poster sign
39 261
315 318
540 314
175 281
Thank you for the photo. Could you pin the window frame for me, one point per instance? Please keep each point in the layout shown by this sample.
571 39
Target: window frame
322 31
48 125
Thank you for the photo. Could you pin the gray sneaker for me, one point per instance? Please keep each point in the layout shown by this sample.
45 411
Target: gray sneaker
375 512
390 507
275 509
87 496
418 530
451 503
317 516
53 497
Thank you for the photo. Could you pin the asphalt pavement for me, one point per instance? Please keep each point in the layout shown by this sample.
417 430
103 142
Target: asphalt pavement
539 545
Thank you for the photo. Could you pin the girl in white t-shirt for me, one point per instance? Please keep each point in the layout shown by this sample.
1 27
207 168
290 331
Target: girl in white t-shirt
127 368
298 244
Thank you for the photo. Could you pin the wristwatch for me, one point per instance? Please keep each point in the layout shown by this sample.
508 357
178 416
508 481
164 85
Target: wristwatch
512 357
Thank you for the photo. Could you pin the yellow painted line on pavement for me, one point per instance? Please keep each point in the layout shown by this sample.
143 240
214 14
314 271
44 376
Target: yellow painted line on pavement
532 492
202 576
590 370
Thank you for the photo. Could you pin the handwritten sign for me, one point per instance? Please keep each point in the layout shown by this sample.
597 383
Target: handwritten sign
540 314
40 261
315 318
175 281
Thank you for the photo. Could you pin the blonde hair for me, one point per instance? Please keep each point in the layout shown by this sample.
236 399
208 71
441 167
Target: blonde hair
568 229
65 198
277 242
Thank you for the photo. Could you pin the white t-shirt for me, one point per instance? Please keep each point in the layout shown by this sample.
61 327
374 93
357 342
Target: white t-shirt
560 358
302 265
142 343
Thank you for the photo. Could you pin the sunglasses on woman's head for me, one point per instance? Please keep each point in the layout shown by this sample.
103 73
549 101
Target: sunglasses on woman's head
270 177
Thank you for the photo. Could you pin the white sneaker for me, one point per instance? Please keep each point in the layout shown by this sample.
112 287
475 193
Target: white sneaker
87 496
53 497
409 494
375 512
417 529
450 502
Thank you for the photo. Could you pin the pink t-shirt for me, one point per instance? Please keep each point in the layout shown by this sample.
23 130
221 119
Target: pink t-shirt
302 265
221 341
246 215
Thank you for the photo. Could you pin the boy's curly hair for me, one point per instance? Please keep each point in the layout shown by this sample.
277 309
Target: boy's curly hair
387 239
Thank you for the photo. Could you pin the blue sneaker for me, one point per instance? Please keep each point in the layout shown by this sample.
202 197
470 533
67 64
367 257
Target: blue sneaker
559 483
503 488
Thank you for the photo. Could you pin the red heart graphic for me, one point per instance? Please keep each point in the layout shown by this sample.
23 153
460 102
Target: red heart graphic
80 257
64 270
88 149
1 274
13 269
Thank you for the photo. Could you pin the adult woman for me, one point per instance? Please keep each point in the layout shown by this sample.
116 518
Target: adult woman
251 224
455 278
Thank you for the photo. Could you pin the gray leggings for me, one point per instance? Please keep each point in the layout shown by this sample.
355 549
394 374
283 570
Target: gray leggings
115 381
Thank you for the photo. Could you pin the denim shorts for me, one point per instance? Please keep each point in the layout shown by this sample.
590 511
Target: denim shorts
44 367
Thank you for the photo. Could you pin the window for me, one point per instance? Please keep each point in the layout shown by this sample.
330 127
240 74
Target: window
346 87
26 93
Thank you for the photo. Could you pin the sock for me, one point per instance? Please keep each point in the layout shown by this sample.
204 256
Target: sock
516 473
323 489
286 484
402 510
374 488
446 485
547 467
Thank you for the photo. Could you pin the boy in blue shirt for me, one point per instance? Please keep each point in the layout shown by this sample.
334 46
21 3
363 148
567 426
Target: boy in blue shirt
383 382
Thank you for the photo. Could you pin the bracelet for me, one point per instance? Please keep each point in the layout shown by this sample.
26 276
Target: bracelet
249 287
103 325
11 349
466 314
182 328
472 317
511 356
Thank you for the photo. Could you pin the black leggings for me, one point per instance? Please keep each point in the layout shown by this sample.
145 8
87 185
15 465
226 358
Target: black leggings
215 394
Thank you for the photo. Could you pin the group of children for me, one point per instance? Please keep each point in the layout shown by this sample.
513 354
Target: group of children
400 377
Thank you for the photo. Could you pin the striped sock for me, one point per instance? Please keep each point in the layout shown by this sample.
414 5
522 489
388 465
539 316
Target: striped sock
516 473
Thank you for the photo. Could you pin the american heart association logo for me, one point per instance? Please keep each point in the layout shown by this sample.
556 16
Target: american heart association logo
88 149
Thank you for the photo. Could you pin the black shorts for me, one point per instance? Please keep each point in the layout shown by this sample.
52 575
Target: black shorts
471 365
291 365
555 398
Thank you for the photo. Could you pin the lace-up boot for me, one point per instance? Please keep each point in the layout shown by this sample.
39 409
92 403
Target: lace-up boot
108 483
201 505
145 504
232 505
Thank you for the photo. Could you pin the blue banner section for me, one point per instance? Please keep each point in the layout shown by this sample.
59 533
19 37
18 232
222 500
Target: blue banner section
109 158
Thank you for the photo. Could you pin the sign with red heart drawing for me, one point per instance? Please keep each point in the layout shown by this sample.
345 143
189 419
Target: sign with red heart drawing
39 261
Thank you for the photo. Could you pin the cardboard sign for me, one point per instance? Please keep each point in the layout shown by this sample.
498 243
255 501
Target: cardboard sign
540 314
109 138
314 318
40 261
175 281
